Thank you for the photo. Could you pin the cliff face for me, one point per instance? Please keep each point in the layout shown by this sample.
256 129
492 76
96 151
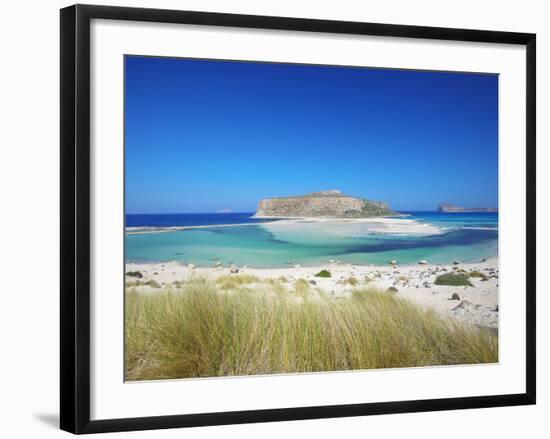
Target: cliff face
325 204
449 208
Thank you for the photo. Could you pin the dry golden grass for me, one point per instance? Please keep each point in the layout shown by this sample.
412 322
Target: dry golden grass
350 281
206 328
229 282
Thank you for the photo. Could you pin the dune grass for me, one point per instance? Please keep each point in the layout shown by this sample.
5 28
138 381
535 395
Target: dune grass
229 282
202 330
350 281
301 288
139 283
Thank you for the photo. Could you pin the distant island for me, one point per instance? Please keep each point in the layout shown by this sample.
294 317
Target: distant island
451 208
324 204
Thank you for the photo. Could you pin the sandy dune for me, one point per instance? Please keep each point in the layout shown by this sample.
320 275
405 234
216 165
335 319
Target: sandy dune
476 305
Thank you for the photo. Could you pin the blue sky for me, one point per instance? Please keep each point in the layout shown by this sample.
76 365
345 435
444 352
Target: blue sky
205 135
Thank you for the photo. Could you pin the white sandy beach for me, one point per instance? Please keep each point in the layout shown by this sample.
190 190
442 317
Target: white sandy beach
476 305
391 226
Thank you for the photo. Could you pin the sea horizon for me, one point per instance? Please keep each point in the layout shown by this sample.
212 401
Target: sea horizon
253 211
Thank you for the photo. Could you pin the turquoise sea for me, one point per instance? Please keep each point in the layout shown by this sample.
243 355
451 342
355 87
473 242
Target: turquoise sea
260 243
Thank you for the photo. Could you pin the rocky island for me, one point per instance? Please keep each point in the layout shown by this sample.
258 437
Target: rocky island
324 204
450 208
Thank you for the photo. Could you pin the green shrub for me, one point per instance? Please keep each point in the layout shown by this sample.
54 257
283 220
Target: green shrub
452 279
324 273
136 274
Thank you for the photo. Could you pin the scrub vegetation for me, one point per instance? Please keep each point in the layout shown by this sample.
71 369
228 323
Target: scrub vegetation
453 280
324 273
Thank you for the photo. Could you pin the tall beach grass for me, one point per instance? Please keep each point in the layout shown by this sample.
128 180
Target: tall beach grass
204 328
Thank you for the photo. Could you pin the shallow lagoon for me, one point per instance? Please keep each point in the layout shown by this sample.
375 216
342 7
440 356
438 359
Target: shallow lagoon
462 236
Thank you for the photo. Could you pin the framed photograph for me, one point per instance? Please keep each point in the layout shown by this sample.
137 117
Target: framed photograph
268 218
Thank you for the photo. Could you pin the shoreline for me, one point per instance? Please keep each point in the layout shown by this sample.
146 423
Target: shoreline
386 225
136 230
476 305
329 218
289 265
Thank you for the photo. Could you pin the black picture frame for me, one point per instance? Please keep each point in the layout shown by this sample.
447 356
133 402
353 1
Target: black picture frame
75 217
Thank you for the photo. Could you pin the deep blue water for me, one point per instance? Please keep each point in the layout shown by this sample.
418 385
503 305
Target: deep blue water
457 219
189 219
463 236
